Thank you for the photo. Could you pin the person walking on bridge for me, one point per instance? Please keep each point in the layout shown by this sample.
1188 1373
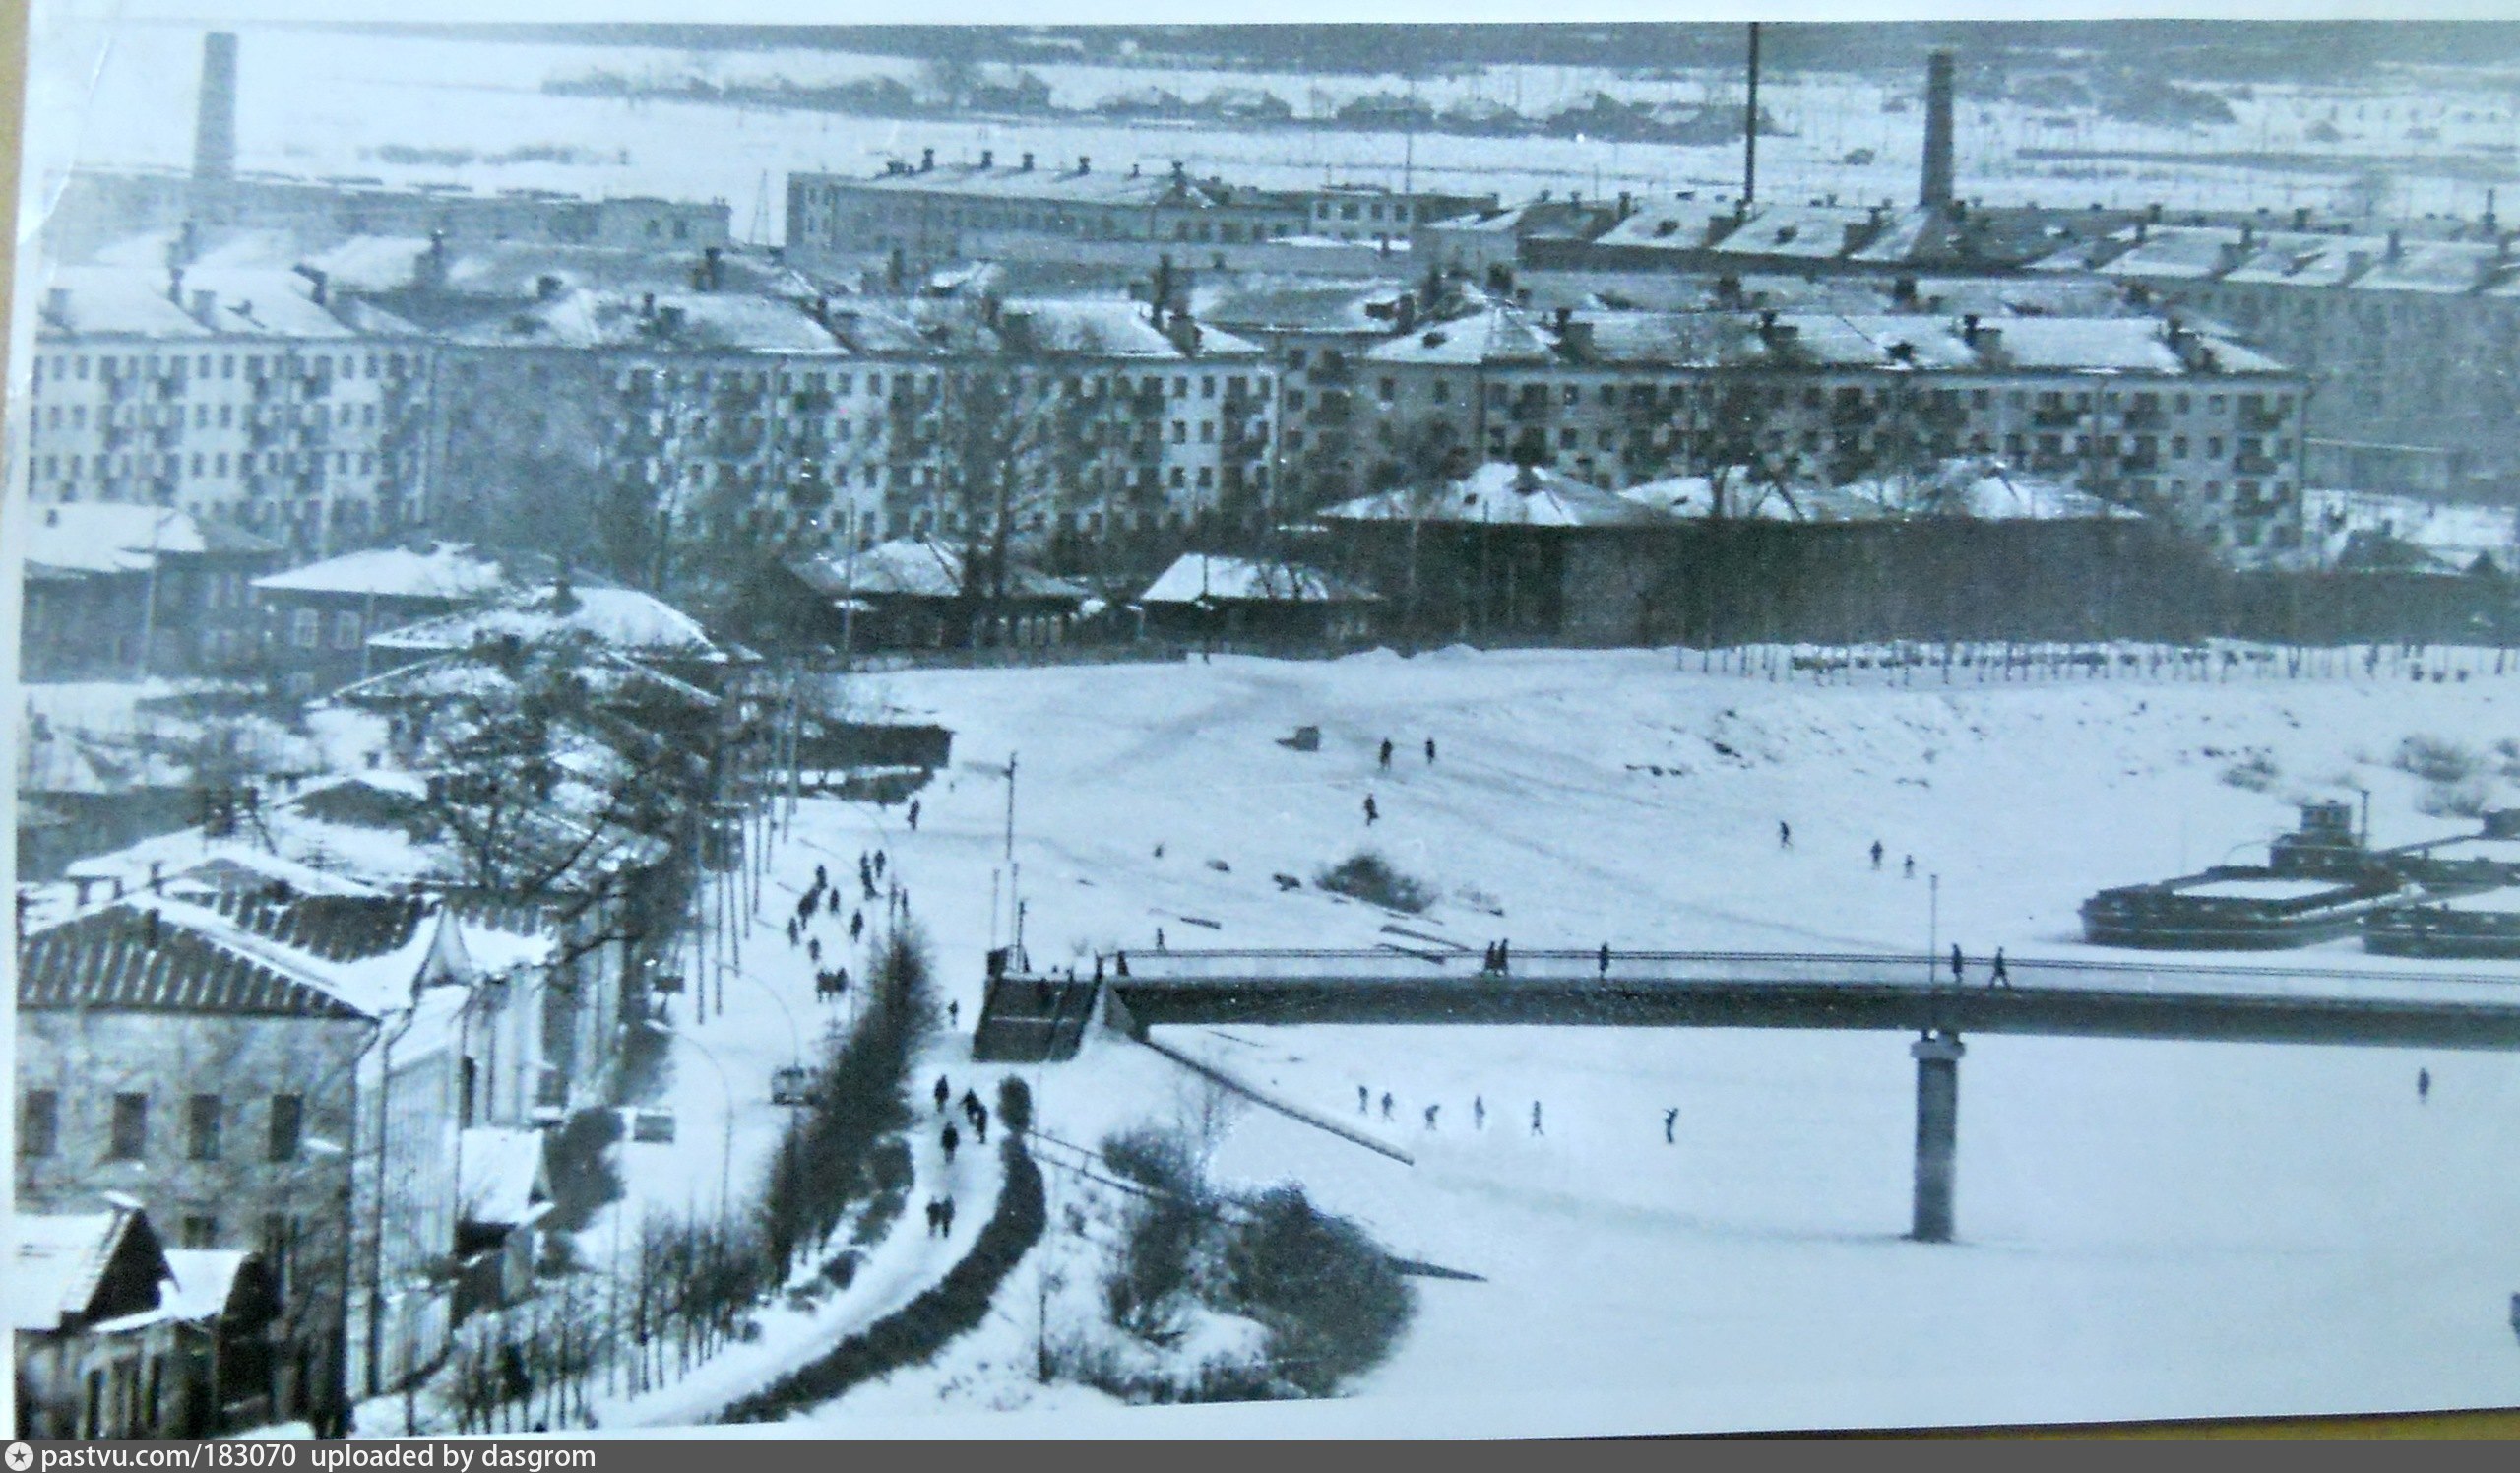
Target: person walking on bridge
1605 959
1504 957
2001 978
1957 965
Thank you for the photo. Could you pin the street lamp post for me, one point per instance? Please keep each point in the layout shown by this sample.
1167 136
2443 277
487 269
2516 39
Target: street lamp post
726 1144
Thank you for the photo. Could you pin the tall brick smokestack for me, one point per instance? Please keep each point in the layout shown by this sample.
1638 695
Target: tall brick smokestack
1935 192
214 132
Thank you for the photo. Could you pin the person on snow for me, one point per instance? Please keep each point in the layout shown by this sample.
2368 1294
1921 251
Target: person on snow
1536 1129
2422 1085
856 925
1784 834
1956 964
1098 967
1908 870
879 861
1386 755
822 878
954 1014
1504 957
1487 958
914 815
970 1104
1365 1100
1120 963
936 1216
946 1216
2001 978
814 950
791 932
1605 959
1431 751
943 1093
1386 1103
1159 939
979 1127
1431 1116
1478 1111
1371 812
1877 855
1671 1123
949 1140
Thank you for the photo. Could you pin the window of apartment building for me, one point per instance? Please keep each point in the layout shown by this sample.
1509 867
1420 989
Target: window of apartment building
39 1123
1566 440
306 629
2178 447
1387 390
201 1127
1571 395
131 1127
1207 431
346 630
1181 387
1207 477
288 1126
1180 431
1181 477
2214 446
1980 398
1294 400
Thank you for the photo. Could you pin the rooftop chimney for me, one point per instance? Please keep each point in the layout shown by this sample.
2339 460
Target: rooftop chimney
989 159
1934 189
927 160
1027 162
206 308
546 287
56 305
214 129
2397 246
175 285
1084 164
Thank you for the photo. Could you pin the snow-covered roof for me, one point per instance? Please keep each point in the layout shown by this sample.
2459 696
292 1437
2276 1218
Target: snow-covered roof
117 536
1976 489
57 1262
1197 575
1493 335
918 568
1298 304
623 619
309 957
1085 326
447 570
1498 495
684 321
503 1176
203 1279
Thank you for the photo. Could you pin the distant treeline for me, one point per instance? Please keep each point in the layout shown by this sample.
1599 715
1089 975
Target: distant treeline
1601 117
2311 52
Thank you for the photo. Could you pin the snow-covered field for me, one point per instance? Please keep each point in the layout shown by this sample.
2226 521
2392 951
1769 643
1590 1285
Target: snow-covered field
2148 1229
317 102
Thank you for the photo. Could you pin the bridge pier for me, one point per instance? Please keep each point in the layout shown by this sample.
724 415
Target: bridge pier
1937 1056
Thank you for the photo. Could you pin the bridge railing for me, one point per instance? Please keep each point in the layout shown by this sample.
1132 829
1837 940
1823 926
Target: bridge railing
1369 966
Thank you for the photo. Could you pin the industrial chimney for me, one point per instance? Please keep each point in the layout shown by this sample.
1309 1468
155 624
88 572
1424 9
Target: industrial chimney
1935 192
214 132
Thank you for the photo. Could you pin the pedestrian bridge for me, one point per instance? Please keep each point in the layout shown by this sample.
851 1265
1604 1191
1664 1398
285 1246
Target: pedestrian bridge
1044 1017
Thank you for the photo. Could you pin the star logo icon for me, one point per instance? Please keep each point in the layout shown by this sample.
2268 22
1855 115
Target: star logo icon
20 1457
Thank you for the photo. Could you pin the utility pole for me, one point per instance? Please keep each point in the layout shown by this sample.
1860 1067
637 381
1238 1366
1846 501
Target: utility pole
1014 874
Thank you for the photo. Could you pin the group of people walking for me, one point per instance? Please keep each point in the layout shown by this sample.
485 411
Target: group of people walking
1478 1110
823 900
